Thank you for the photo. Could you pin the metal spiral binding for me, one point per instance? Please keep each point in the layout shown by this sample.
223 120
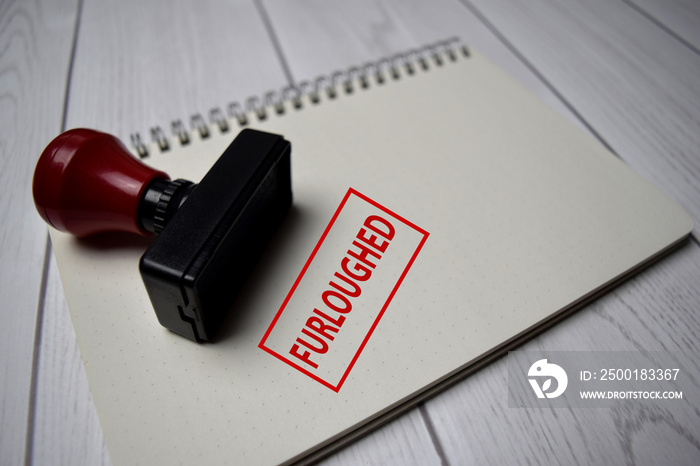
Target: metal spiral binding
356 78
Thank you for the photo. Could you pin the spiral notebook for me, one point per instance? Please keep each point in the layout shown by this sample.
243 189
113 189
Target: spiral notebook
441 215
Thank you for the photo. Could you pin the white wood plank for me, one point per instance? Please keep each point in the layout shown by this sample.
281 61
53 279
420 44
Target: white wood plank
319 37
403 441
655 311
635 84
35 43
140 64
681 17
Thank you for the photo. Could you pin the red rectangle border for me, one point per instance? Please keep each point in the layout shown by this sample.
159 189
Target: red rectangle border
350 192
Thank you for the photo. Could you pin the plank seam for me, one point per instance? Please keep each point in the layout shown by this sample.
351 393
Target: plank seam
658 23
38 333
434 438
480 16
275 41
71 62
41 305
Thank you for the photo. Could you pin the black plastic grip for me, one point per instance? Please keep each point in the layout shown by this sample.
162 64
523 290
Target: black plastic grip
197 265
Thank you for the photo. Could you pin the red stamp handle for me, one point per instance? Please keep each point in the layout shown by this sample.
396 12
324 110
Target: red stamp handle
87 182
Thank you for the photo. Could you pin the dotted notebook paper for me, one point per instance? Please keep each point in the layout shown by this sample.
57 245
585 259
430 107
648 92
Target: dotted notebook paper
523 214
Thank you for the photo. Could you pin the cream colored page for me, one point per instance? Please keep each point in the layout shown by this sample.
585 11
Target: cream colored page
525 215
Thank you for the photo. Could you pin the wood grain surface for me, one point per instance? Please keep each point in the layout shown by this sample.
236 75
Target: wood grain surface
35 45
679 18
140 64
626 71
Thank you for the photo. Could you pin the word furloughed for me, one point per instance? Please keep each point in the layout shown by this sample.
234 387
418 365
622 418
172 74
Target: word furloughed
356 268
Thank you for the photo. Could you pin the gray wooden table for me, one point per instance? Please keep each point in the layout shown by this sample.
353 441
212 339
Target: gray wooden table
626 71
